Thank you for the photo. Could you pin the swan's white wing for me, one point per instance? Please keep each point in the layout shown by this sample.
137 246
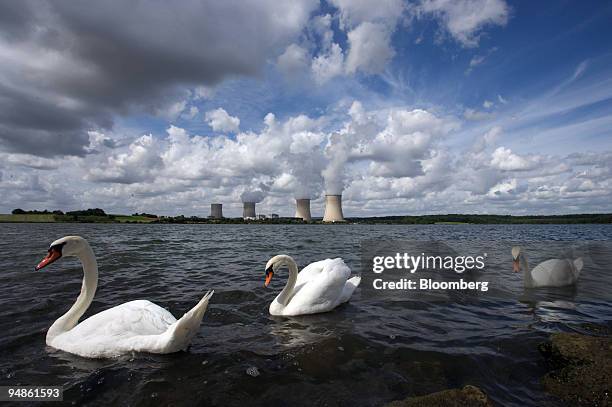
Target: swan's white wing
312 271
320 289
107 330
553 273
140 317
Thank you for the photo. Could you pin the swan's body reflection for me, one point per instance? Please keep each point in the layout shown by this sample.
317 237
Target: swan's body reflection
550 305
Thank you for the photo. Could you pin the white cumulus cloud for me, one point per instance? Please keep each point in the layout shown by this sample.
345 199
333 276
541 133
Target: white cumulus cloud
329 65
220 120
369 48
464 20
504 159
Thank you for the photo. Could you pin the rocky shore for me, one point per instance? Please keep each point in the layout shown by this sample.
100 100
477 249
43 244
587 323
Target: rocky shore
468 396
581 368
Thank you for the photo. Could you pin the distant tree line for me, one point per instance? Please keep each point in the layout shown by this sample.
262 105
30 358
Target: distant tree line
488 219
19 211
88 212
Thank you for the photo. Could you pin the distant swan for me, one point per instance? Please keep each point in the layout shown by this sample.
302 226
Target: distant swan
319 287
549 273
136 326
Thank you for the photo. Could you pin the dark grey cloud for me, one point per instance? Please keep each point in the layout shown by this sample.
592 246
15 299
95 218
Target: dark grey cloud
72 66
30 124
15 18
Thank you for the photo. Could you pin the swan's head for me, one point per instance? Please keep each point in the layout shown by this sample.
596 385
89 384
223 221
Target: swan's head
274 264
66 246
516 256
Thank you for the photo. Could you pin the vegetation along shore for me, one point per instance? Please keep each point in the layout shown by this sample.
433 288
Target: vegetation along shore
100 216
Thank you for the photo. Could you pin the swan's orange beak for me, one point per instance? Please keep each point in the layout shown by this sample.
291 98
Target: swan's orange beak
54 254
269 275
516 266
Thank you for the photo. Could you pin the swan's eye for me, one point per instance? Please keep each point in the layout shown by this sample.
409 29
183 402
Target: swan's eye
57 247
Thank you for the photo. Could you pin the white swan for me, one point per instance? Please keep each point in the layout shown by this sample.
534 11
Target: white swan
319 287
136 326
549 273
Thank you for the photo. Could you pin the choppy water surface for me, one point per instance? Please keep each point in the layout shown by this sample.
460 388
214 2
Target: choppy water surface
367 352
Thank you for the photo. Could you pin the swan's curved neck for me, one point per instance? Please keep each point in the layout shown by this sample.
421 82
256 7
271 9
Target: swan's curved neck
90 283
287 292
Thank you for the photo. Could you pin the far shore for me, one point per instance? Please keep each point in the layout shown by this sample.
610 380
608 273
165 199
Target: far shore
449 219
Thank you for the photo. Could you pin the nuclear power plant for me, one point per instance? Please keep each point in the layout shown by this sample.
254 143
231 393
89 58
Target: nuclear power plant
216 211
302 209
248 211
333 209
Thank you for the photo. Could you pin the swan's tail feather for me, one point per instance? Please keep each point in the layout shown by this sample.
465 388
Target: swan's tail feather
578 264
354 281
349 288
182 331
203 304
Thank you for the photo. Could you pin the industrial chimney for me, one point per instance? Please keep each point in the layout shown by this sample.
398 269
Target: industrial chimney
302 209
216 211
248 211
333 209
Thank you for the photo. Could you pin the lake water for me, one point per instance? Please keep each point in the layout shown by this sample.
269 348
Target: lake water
367 352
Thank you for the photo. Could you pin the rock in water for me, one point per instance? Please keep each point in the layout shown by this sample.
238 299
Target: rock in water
252 371
468 396
582 368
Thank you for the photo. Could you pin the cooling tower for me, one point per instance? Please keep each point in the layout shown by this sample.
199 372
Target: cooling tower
333 209
249 210
302 209
216 211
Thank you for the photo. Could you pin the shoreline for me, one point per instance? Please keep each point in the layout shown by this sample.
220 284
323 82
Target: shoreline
449 219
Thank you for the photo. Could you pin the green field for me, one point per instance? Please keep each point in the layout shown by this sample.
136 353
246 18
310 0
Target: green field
129 218
27 218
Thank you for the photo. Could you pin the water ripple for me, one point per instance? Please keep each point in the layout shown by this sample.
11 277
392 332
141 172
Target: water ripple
366 352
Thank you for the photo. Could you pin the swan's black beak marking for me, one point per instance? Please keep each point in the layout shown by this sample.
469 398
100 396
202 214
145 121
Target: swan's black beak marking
269 275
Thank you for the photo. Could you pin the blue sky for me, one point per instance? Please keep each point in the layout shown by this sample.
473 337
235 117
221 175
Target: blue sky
541 47
426 106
